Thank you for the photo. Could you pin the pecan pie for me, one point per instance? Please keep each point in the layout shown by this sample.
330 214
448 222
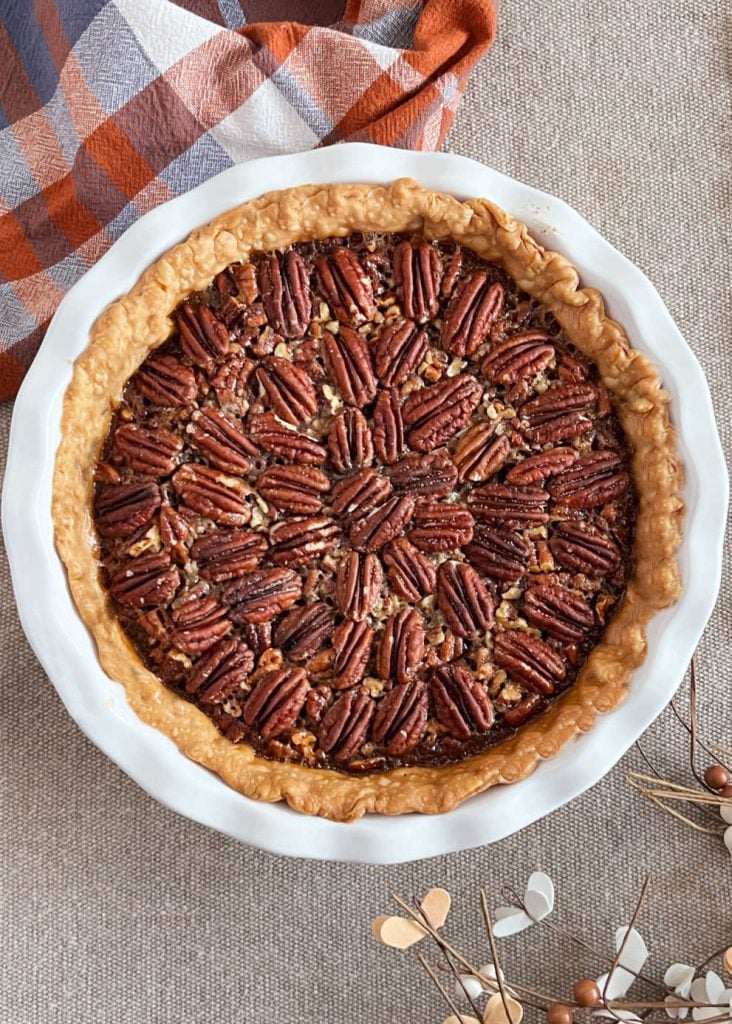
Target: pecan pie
375 503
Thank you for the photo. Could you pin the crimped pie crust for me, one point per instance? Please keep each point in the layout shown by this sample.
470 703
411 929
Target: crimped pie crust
140 321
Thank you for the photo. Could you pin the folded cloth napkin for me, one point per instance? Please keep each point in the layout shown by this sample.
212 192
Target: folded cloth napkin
109 107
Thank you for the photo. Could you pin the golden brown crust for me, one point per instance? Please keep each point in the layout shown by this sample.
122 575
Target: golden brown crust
126 332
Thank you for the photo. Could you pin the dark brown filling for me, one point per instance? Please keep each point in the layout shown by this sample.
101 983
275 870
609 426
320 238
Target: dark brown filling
366 506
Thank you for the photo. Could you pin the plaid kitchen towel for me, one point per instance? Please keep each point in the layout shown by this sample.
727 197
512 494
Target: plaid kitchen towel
109 107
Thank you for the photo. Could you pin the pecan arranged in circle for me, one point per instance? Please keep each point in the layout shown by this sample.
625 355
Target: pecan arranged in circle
221 671
213 494
122 510
479 452
417 276
288 389
145 582
441 526
349 441
437 413
584 548
518 358
226 554
380 526
401 647
150 451
464 599
203 336
499 553
352 645
348 362
298 489
559 612
432 475
401 718
461 703
412 575
231 380
276 701
299 540
263 594
538 468
399 351
529 660
304 631
284 284
594 479
221 440
198 624
284 442
357 494
166 381
559 414
358 585
346 724
511 506
388 431
346 287
473 308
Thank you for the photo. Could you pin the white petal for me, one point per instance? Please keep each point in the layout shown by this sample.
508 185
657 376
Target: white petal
728 838
622 1014
714 986
676 1012
633 957
470 986
537 905
726 811
698 990
539 882
509 921
679 977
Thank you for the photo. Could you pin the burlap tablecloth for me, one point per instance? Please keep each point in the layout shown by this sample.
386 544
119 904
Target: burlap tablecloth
116 910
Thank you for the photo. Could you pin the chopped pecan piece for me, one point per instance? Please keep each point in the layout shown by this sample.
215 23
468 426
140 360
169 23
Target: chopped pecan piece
346 724
285 442
285 288
145 582
124 509
288 389
412 575
511 506
358 584
203 337
437 413
174 532
304 631
525 708
529 661
595 479
220 672
346 287
388 427
399 351
559 414
401 718
302 539
198 624
238 279
584 548
432 475
501 554
349 441
463 599
263 594
473 308
227 554
518 358
150 451
348 362
417 276
479 452
221 440
441 526
559 612
352 644
358 494
166 381
382 524
276 701
294 488
213 494
538 468
461 703
401 646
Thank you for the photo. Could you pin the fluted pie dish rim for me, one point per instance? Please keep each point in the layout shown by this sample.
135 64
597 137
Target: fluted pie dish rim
134 325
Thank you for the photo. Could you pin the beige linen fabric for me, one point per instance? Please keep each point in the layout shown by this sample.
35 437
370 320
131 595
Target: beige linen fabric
113 909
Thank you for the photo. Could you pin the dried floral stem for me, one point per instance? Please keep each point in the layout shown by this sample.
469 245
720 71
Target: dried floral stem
658 797
623 944
441 988
494 953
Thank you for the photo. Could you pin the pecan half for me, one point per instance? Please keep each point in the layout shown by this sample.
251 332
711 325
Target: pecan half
258 636
511 506
433 475
525 708
437 413
559 612
401 646
461 703
302 539
399 351
463 599
285 288
238 279
276 701
358 584
123 509
294 488
559 414
284 442
388 427
145 582
349 441
220 672
594 479
231 380
221 440
412 575
212 494
348 362
288 389
174 532
441 526
357 494
501 554
203 337
417 277
518 358
538 468
352 645
346 286
529 661
473 308
452 274
346 724
380 526
479 453
198 624
227 554
150 451
401 718
262 594
304 631
166 381
584 548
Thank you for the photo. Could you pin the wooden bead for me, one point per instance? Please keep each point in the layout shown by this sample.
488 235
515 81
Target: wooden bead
559 1013
587 992
716 776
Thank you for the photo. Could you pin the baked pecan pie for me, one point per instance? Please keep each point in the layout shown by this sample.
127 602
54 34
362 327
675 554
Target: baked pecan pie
383 503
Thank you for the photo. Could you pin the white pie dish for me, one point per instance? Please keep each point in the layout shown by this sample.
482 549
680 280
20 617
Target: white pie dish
99 706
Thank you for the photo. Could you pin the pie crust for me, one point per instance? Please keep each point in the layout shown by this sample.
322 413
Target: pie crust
140 321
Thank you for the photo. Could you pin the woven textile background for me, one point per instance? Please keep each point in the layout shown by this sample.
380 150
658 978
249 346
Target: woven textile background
110 107
115 911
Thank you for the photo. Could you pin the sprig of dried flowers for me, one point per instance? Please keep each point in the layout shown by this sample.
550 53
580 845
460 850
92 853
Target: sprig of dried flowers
491 998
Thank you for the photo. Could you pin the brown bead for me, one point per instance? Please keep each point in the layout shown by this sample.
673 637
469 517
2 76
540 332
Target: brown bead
717 777
727 791
587 993
559 1013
